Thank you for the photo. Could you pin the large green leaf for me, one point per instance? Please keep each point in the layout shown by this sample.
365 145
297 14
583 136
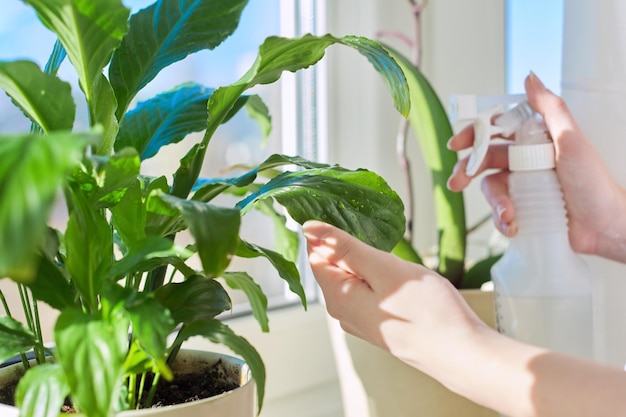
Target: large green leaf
277 55
218 332
89 31
89 248
359 202
114 176
285 268
430 123
91 351
44 99
182 27
215 230
32 169
14 338
41 391
196 298
258 301
51 285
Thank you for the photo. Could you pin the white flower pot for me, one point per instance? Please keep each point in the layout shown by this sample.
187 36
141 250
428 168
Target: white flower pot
376 384
240 402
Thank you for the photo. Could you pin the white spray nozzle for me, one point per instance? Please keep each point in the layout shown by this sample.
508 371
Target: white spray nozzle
480 110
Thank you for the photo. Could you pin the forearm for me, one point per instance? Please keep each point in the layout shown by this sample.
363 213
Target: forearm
519 380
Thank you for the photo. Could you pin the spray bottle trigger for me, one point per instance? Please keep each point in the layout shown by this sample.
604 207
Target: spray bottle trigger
483 130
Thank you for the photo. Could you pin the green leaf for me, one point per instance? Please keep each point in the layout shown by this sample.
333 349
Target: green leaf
32 170
218 332
275 56
89 31
405 250
287 242
182 27
14 338
258 301
51 285
118 173
89 247
128 216
164 119
359 202
44 99
147 254
259 112
430 123
151 325
196 298
41 391
215 230
479 273
103 114
92 351
56 58
285 268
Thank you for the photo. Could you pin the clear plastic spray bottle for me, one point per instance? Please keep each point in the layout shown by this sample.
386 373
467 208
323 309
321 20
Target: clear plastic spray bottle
542 288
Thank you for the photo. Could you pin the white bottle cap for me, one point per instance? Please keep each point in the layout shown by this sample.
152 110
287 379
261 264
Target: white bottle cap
531 157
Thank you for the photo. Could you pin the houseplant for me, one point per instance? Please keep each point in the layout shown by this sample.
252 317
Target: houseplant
118 277
373 381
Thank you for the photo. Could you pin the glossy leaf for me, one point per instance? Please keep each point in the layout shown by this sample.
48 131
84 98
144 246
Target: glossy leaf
44 99
103 108
285 268
430 123
88 259
151 325
287 241
359 202
89 31
215 230
275 56
164 33
258 111
405 250
258 301
117 173
41 391
146 255
196 298
218 332
32 170
51 285
128 216
84 343
14 338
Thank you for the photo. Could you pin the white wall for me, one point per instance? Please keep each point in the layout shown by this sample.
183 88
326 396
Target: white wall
463 52
594 86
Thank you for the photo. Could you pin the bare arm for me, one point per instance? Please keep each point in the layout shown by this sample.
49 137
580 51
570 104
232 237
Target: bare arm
420 318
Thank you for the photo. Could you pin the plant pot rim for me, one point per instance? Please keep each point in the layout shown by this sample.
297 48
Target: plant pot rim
247 383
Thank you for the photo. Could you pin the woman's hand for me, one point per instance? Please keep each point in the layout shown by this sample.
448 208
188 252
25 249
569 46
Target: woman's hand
402 307
596 204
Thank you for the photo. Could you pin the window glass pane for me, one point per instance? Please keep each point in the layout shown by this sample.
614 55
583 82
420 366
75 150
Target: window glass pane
534 37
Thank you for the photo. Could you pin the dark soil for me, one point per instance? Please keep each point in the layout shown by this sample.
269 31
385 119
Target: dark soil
210 380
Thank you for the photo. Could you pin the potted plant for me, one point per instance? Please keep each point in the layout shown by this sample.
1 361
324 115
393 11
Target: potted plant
126 294
373 381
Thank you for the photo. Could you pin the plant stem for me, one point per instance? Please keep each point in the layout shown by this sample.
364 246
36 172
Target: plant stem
153 388
132 395
142 384
5 305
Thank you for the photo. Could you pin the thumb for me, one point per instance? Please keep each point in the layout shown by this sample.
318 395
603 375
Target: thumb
556 115
351 258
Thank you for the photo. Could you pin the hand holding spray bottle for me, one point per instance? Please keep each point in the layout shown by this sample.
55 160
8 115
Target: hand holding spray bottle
542 288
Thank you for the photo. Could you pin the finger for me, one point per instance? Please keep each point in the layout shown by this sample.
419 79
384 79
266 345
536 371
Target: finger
462 140
496 158
496 190
333 246
553 109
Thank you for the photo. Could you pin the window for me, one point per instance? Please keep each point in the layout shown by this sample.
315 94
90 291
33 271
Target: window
237 142
534 38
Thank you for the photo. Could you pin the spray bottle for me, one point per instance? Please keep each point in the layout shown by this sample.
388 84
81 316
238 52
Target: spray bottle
542 288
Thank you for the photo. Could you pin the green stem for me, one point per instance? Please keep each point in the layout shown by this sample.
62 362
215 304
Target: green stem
28 313
40 353
153 388
142 385
132 394
5 305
